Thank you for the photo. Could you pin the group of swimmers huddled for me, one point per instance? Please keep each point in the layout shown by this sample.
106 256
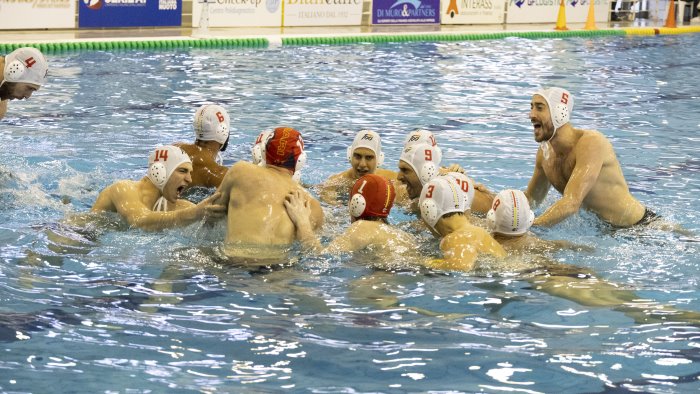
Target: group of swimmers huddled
267 209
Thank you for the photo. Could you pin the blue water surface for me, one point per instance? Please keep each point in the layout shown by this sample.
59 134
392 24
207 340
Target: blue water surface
134 311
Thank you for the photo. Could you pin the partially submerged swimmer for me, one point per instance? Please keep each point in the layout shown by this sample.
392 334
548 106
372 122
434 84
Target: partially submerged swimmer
259 232
371 199
365 156
211 131
442 205
580 164
153 202
509 221
24 71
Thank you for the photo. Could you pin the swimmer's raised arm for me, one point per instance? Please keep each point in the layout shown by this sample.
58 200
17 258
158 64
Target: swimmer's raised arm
539 185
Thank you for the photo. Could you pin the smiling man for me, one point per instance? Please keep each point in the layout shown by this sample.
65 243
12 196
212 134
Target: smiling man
365 156
153 202
580 164
24 71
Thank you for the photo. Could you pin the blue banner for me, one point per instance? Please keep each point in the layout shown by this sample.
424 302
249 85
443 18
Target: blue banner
129 13
407 12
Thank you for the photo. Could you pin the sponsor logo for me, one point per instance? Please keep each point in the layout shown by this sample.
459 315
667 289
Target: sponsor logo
93 4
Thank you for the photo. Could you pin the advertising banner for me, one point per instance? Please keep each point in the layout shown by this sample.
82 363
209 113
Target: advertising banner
37 14
546 11
408 12
129 13
322 12
472 12
244 13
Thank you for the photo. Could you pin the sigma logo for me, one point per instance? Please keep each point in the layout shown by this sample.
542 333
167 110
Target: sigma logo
367 137
93 4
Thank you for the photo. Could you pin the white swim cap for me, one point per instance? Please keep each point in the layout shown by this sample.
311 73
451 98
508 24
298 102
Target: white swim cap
163 161
25 65
211 123
466 184
370 140
419 136
510 213
560 103
424 159
441 196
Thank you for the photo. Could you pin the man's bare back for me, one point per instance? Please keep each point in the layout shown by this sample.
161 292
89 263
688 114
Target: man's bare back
206 171
259 230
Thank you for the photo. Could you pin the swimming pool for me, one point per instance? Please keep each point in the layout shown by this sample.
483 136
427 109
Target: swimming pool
84 318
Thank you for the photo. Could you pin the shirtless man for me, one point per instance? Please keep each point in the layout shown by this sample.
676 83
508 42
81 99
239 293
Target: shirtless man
24 71
152 203
442 206
259 231
211 132
371 199
580 164
365 155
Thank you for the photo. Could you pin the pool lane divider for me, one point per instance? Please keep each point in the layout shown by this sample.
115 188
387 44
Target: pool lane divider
262 42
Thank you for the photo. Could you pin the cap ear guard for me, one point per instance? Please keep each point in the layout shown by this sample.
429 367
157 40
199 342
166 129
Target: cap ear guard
258 155
491 220
427 172
429 212
301 162
560 114
14 71
258 150
357 205
158 174
530 219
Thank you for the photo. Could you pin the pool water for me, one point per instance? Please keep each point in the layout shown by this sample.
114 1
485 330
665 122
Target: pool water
132 311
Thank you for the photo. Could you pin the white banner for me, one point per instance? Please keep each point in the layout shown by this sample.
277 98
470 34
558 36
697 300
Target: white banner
245 13
37 14
322 13
547 11
471 12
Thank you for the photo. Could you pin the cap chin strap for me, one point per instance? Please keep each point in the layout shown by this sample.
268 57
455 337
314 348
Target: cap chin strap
161 205
219 159
544 145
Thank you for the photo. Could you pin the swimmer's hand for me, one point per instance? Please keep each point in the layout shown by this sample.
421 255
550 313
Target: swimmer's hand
452 168
209 209
298 208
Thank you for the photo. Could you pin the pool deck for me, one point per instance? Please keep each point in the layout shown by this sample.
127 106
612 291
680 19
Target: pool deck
276 34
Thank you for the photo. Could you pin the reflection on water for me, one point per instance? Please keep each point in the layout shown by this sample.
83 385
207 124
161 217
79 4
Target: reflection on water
114 310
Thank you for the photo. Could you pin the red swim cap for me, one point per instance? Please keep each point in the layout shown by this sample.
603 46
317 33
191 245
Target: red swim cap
284 148
371 196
